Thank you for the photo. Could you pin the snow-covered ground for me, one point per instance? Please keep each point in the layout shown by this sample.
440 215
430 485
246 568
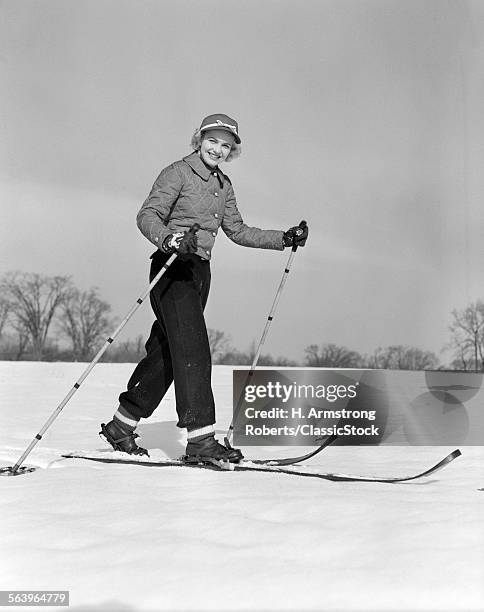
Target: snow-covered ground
130 538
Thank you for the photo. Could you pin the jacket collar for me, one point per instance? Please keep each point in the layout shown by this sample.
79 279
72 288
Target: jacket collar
197 165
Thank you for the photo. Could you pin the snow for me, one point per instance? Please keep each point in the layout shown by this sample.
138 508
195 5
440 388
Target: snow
133 538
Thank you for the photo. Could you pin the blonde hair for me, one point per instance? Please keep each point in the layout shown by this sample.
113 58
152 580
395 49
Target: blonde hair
196 143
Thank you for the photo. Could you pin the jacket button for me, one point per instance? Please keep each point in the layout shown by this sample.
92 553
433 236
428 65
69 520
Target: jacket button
216 215
216 193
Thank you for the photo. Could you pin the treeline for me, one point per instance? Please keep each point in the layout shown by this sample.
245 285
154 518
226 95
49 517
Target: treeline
335 356
466 344
47 318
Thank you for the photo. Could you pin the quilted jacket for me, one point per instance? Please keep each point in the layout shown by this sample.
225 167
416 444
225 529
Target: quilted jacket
188 192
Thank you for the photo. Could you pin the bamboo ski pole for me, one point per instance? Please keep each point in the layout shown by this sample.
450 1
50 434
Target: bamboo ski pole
13 470
230 431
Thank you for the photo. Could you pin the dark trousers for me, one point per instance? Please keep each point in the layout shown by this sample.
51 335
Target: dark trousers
178 348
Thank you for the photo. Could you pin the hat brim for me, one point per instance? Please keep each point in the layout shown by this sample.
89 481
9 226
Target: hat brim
223 128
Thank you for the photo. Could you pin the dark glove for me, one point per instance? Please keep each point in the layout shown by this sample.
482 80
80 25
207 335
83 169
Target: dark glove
296 236
182 242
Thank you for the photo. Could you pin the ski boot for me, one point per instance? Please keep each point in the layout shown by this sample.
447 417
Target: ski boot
208 450
121 439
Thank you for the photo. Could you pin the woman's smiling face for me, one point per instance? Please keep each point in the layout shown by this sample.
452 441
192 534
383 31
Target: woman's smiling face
215 147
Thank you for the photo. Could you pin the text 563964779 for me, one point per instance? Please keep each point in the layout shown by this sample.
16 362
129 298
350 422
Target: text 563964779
34 598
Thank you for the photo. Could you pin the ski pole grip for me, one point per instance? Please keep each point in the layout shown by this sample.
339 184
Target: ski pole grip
302 225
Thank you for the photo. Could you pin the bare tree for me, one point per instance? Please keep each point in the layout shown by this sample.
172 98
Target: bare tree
4 310
84 319
128 351
33 300
467 336
332 356
15 347
22 340
400 357
264 359
462 360
219 343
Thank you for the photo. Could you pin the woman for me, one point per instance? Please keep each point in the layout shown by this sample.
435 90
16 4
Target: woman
191 190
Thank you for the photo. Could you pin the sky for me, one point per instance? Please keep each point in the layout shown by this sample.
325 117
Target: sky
363 117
